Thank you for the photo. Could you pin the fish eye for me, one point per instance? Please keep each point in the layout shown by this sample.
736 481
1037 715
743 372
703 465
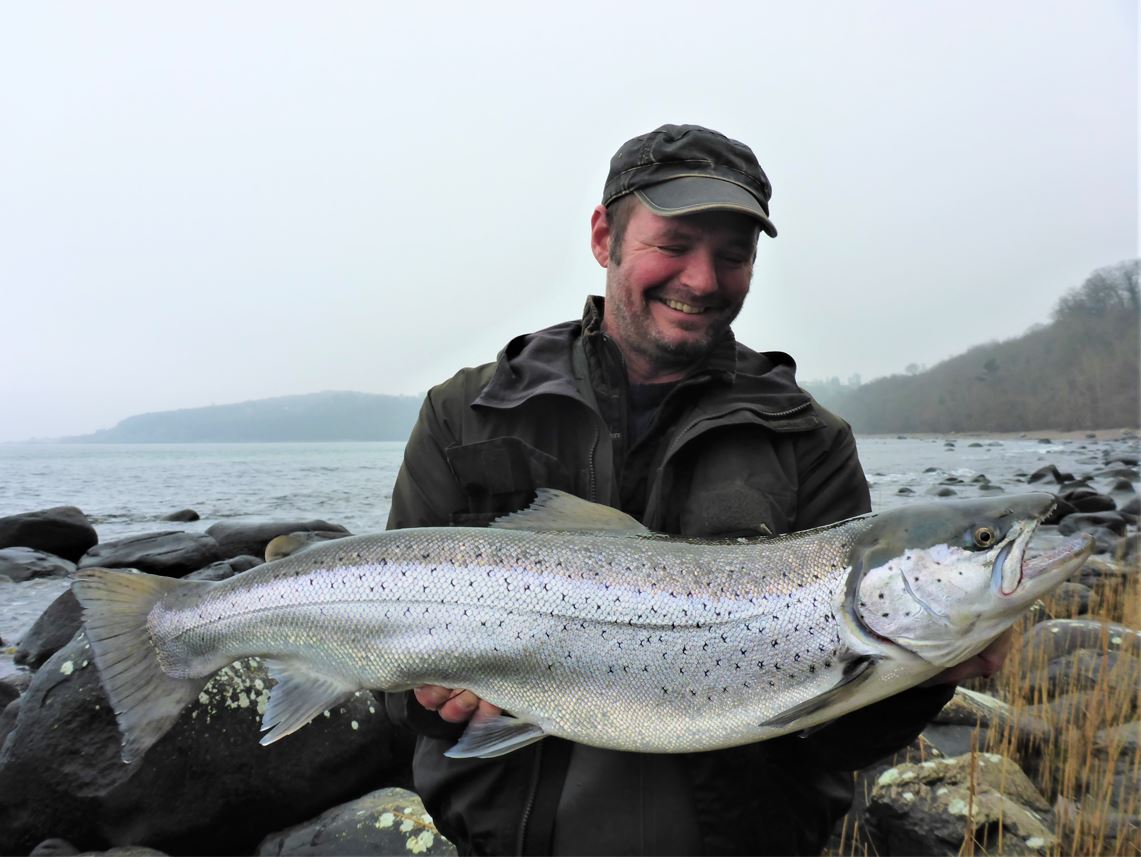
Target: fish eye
984 537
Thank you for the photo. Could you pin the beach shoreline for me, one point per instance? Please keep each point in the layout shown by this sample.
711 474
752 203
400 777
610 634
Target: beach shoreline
1035 434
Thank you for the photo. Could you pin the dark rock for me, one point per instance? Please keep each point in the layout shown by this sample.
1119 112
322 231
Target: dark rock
905 491
1071 599
1128 549
1115 751
924 808
291 543
980 477
1073 485
181 516
975 443
171 553
1050 472
1052 639
54 847
930 469
224 568
20 564
244 537
1046 440
990 486
1087 522
1082 671
61 530
938 491
51 632
207 787
8 717
1061 510
951 480
387 821
1088 500
1129 473
8 692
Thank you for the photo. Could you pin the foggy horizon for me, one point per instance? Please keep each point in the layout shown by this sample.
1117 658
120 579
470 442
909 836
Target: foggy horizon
211 206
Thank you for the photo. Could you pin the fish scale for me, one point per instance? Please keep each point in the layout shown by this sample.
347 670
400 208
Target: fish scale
614 637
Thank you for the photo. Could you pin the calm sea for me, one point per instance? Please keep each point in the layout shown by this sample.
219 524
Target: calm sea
126 489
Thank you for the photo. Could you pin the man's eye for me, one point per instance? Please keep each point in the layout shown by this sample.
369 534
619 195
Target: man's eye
673 249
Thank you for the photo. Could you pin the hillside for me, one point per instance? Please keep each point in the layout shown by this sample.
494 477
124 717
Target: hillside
328 416
1080 371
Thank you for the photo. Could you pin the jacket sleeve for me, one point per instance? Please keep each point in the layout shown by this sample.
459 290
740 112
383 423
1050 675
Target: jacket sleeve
833 486
426 493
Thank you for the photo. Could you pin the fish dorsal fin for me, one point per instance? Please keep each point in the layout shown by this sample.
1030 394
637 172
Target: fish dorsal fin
558 511
297 697
857 670
491 735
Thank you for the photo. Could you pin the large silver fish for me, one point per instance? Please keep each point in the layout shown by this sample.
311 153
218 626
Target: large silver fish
581 623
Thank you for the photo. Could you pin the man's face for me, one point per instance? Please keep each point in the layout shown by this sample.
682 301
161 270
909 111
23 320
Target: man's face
678 286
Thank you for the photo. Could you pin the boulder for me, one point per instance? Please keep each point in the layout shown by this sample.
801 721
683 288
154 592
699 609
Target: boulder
291 543
51 632
251 537
1051 473
170 553
1085 670
206 787
61 530
1089 522
20 564
386 821
1088 500
1049 640
940 491
932 806
224 568
182 516
1071 599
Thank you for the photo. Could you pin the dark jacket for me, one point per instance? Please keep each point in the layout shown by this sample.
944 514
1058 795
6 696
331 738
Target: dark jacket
736 448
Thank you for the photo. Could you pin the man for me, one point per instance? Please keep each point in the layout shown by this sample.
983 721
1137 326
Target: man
647 404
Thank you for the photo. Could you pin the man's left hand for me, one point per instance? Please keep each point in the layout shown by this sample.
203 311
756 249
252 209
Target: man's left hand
985 664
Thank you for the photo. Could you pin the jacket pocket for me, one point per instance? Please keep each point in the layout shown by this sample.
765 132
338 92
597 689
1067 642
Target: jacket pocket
501 475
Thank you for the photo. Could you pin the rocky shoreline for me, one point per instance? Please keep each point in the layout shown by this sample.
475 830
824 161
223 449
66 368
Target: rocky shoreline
994 767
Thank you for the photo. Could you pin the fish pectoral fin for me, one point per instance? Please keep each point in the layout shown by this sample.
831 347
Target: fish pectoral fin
298 696
558 511
490 735
857 670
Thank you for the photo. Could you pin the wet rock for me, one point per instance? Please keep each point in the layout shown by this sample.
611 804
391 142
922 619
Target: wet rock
290 543
1129 473
1071 599
931 469
54 847
207 786
1051 639
1089 522
940 491
1088 500
245 537
927 808
181 516
387 821
61 530
992 488
51 632
20 564
974 444
1061 510
905 491
8 718
1100 572
1117 749
1082 671
1050 473
1128 549
225 568
980 478
171 553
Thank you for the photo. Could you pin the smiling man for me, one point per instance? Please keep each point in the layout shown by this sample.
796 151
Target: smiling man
648 404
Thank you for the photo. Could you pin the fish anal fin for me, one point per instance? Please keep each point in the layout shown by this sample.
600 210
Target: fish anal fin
490 735
558 511
298 695
856 671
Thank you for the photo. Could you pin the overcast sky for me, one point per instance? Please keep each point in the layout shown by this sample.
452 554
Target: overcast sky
204 203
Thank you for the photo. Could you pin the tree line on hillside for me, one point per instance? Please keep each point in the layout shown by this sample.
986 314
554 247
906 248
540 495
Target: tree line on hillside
1080 371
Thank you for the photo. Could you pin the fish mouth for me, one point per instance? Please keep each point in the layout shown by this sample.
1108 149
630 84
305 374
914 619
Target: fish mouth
1068 554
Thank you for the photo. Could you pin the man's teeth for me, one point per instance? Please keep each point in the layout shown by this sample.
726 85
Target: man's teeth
683 307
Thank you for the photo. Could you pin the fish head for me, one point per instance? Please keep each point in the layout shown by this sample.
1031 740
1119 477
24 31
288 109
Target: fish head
942 580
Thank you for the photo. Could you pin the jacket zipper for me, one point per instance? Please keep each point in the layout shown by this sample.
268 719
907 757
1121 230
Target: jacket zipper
532 793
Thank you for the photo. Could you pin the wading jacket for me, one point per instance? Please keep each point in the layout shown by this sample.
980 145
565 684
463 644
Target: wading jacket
736 448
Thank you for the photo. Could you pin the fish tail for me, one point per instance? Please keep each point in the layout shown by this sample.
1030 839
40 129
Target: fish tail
146 700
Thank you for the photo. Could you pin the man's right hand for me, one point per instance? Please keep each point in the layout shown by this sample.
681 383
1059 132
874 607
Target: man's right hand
454 705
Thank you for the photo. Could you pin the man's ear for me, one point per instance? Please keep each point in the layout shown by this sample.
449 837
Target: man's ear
600 235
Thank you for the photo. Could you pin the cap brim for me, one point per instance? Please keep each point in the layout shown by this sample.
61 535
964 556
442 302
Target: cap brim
693 194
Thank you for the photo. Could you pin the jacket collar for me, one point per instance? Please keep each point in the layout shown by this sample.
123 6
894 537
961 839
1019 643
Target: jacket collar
542 363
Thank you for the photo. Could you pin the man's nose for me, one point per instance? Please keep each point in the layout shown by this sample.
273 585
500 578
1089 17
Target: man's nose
700 274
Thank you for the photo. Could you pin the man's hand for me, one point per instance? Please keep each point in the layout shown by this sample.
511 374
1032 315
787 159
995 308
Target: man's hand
986 663
453 705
